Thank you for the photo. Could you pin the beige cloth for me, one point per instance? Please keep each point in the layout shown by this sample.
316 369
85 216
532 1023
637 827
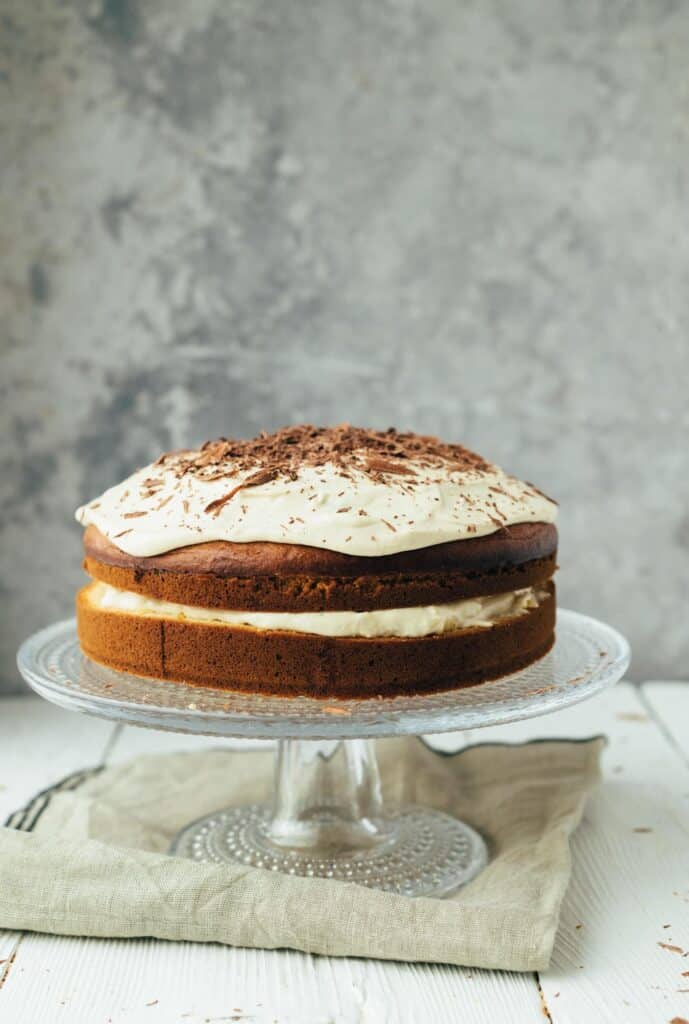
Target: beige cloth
94 862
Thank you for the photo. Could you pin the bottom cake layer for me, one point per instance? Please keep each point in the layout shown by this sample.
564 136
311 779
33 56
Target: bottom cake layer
278 662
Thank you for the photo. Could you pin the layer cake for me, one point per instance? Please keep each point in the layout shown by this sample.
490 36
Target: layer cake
333 562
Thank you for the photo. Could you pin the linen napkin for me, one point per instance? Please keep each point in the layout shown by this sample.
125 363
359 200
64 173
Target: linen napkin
89 857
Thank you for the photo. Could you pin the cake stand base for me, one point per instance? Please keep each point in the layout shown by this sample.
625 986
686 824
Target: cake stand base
327 821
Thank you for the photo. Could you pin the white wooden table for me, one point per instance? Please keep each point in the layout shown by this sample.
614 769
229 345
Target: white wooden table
622 951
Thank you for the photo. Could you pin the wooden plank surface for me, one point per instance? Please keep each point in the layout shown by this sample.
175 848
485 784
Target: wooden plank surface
148 981
669 704
39 745
628 902
627 884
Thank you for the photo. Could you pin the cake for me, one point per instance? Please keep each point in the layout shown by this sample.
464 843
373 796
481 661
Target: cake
331 561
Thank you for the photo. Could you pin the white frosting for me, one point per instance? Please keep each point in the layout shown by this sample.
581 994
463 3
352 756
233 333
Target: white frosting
357 514
401 622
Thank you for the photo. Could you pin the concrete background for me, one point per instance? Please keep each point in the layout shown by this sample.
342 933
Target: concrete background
467 218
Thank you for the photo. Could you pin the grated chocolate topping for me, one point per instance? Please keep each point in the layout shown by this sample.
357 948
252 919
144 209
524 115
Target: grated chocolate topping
376 454
365 492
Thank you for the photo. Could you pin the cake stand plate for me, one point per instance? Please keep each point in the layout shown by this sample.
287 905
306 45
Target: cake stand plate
327 817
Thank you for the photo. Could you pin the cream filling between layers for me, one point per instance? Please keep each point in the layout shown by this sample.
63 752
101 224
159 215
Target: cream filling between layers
400 622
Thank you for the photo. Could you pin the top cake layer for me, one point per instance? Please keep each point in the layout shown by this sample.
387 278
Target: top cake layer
359 492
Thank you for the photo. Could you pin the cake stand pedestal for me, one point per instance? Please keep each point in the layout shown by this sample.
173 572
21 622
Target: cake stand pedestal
327 817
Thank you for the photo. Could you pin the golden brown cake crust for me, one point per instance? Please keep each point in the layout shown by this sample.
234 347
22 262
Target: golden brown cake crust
289 663
286 577
510 545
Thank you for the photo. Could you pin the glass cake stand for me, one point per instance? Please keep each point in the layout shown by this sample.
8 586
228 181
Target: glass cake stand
326 817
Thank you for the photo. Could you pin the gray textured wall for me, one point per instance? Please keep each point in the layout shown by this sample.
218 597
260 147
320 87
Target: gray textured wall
467 218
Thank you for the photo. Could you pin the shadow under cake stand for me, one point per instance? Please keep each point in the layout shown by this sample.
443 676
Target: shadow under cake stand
326 817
